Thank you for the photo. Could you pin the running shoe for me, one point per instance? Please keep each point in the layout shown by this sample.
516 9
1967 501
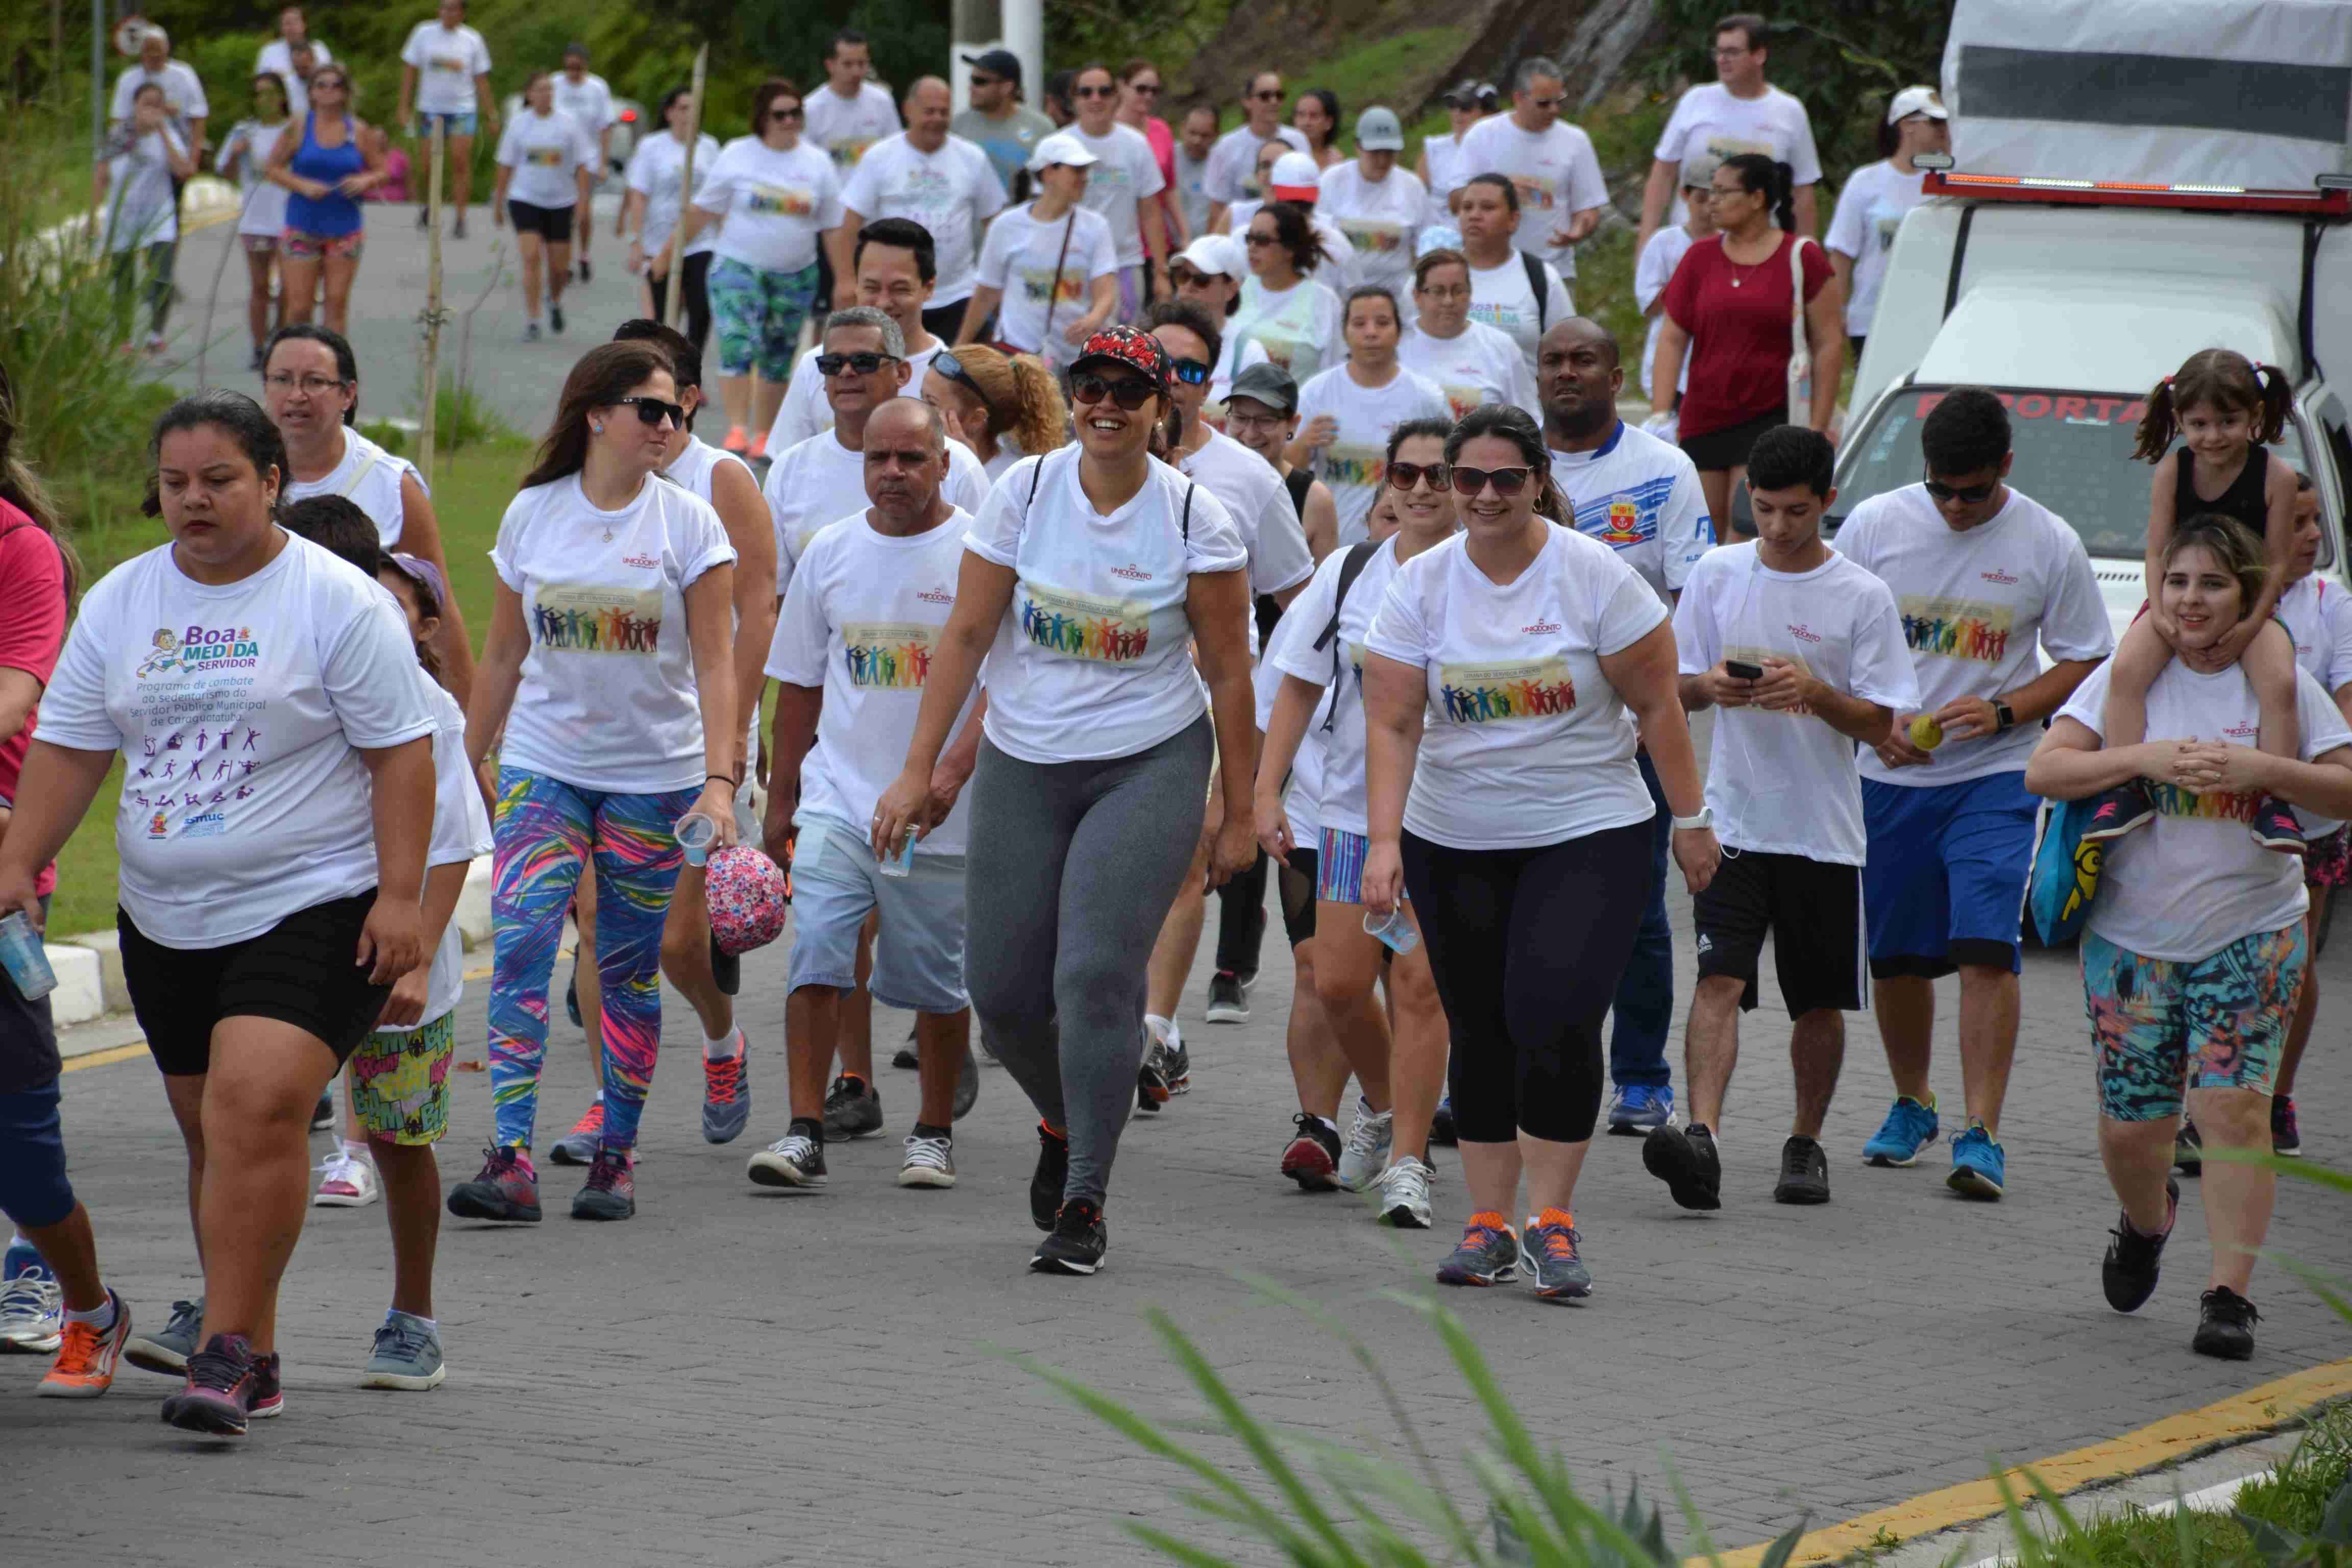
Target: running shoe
166 1349
347 1180
853 1108
1979 1165
1688 1163
1553 1257
1227 1001
1053 1172
1441 1126
967 1090
507 1188
1804 1172
2225 1325
1178 1059
1488 1253
585 275
268 1391
322 1115
726 1094
1152 1090
610 1191
87 1357
905 1059
554 317
2187 1149
1909 1127
1077 1241
424 215
407 1355
2286 1137
578 1146
1367 1151
32 1309
2275 827
2119 811
1637 1108
1404 1193
457 230
218 1398
795 1160
759 446
572 999
530 331
931 1161
735 441
2129 1271
1312 1157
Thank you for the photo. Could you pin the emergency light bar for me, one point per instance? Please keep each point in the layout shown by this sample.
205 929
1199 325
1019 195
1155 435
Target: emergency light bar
2333 199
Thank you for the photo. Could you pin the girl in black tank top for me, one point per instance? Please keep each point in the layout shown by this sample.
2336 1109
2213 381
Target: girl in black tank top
2243 500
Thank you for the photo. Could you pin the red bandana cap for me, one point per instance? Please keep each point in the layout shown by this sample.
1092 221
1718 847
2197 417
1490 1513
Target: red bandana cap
1130 347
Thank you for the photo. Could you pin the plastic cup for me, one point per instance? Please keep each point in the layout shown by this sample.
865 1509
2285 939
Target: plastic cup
696 834
20 953
902 864
1394 931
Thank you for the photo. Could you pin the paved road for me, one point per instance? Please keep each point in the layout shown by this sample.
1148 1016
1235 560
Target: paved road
744 1376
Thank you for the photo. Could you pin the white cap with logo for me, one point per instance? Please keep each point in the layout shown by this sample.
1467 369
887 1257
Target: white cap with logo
1914 100
1061 147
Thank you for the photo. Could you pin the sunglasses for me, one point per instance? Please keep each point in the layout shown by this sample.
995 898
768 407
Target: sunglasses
654 410
862 364
948 365
1146 86
980 80
784 114
1507 482
1404 476
1129 393
1190 371
1255 240
1967 494
1267 97
1095 92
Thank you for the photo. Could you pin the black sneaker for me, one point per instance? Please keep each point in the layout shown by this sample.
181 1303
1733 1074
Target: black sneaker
1078 1242
1804 1172
585 276
2287 1133
1178 1059
505 1189
1152 1090
1441 1126
2275 827
322 1115
1686 1161
424 214
612 1189
1046 1184
1227 1005
2187 1149
853 1108
554 317
1312 1157
457 230
2119 811
905 1059
2225 1325
2128 1272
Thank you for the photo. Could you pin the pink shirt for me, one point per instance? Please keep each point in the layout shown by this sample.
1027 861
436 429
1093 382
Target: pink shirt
32 631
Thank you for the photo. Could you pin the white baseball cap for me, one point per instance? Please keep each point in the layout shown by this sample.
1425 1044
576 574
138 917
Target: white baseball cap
1215 253
1296 178
1914 100
1061 147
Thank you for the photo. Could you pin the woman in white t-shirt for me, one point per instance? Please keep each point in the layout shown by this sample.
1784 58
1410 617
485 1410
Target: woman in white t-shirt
134 194
1346 413
245 157
1517 294
607 667
1285 311
275 810
2194 948
547 168
1470 361
1441 156
657 198
1376 205
1871 206
1518 820
1049 272
1002 407
1091 578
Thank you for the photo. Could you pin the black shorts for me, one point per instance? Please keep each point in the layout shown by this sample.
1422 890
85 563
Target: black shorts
1295 882
552 225
1812 910
299 972
1727 449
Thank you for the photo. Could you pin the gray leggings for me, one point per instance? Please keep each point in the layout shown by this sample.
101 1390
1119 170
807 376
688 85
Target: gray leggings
1071 871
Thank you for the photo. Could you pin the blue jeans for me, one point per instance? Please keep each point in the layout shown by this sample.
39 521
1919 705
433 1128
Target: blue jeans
1646 997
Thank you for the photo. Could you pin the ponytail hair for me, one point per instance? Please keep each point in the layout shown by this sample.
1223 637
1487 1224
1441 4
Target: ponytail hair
2219 378
1023 400
1515 425
1776 183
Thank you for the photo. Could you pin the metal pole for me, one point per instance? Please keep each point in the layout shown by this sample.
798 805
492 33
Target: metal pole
431 371
1024 34
684 190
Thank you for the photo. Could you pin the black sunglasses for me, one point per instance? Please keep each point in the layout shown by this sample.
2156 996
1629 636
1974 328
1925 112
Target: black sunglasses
1968 495
1405 475
1129 393
1507 482
1190 371
862 362
980 80
654 410
948 365
1096 92
784 114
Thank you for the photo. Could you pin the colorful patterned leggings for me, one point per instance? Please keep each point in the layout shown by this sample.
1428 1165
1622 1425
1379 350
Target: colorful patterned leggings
2219 1022
546 832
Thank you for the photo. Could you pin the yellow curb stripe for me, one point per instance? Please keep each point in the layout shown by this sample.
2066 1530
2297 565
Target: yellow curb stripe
2176 1437
129 1053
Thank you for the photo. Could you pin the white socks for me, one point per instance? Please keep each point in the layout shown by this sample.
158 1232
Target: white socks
725 1049
100 1317
1164 1030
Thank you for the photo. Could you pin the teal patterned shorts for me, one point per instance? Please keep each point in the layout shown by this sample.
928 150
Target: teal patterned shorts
757 317
2219 1022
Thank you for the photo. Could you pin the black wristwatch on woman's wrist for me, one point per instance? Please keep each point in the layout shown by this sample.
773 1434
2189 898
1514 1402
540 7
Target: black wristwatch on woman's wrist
2002 717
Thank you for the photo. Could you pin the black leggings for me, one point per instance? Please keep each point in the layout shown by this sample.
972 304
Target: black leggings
1241 918
696 271
1527 947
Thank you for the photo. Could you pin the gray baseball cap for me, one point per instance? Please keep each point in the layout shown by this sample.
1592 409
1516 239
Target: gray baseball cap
1268 384
1377 131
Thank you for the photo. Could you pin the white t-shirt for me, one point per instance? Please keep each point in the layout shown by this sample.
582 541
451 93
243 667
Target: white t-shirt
1380 219
1259 504
1477 365
546 152
183 95
1556 170
461 830
1783 782
139 208
1973 604
863 621
1651 275
809 483
244 155
236 709
1300 328
775 203
950 193
1192 193
846 127
277 56
1640 497
804 411
1445 172
1094 657
1232 161
370 478
657 169
608 699
695 467
1304 786
2234 887
1869 211
589 102
1018 258
1356 462
1126 173
1709 119
2318 614
448 59
1526 742
1339 804
1501 298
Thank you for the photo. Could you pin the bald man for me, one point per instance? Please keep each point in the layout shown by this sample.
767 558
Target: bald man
942 182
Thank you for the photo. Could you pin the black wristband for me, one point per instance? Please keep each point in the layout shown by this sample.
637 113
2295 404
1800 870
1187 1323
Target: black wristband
730 781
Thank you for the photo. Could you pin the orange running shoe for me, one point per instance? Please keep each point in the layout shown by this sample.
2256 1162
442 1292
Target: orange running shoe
736 442
86 1361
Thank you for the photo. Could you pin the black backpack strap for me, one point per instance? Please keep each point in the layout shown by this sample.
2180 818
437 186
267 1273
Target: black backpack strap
1185 524
1036 475
1298 481
1541 287
1350 568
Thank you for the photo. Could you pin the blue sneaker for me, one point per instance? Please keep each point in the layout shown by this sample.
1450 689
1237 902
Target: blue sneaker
407 1355
726 1094
1637 1108
1909 1127
1978 1164
1488 1253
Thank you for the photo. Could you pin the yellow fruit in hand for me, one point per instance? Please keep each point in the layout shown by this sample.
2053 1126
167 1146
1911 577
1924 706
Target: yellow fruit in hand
1925 734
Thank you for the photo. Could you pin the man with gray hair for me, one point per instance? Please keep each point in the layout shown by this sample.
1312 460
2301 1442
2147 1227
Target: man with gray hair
1738 112
1549 163
183 95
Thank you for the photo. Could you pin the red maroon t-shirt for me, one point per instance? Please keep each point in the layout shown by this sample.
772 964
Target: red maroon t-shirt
1739 334
32 631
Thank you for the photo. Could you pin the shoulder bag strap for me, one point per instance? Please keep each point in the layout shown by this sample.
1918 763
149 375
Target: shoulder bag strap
1053 294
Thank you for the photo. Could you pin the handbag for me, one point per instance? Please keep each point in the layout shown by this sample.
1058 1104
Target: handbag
2065 874
1800 353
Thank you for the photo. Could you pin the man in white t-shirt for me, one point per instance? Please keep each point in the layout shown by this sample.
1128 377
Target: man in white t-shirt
588 98
1196 137
183 94
445 73
942 182
895 268
293 54
1123 186
1738 112
1981 572
1377 205
1232 172
845 117
852 651
1802 651
1551 163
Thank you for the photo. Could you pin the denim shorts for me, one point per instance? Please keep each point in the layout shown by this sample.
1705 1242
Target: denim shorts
34 1191
451 124
919 951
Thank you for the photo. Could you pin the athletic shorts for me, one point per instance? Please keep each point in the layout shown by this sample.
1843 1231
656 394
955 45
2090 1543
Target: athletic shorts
552 225
2219 1022
400 1082
258 244
1725 449
918 950
34 1191
316 247
451 124
1339 866
1812 910
759 316
1295 883
299 972
1944 881
2327 862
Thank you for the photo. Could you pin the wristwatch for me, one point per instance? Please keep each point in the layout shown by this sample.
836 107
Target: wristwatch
1705 818
2003 719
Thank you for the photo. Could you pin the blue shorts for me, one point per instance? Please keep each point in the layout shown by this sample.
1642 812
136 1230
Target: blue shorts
919 951
1945 883
34 1192
1339 866
451 124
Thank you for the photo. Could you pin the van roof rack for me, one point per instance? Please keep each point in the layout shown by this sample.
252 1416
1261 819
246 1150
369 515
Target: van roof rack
2331 199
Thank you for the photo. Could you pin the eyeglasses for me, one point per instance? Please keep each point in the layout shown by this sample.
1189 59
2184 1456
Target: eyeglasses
862 364
1552 102
654 410
311 385
1967 494
1507 482
980 80
1238 421
1446 290
948 365
1255 240
1094 91
1404 476
1190 371
792 113
1129 393
1273 97
1143 86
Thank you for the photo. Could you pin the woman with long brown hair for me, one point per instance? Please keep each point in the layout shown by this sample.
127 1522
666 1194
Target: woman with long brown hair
1004 407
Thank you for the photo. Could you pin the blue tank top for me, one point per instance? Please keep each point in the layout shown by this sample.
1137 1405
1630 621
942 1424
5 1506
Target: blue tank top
333 213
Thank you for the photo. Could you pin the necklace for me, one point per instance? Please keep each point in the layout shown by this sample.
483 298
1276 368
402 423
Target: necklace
1738 276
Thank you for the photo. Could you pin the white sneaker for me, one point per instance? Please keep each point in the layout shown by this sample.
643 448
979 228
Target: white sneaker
795 1160
1404 1194
347 1180
32 1313
930 1162
1369 1140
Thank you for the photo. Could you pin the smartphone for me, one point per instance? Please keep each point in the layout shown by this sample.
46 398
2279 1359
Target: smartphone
1740 669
